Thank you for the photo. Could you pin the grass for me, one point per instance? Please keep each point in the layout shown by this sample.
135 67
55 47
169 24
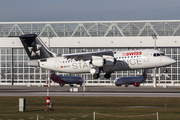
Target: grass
76 107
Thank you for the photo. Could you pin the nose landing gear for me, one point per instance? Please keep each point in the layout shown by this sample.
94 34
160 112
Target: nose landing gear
165 70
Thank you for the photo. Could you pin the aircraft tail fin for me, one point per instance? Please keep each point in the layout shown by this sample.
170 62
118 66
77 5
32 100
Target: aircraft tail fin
144 74
35 47
54 77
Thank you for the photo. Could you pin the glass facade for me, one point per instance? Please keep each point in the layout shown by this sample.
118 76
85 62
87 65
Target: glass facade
92 29
15 70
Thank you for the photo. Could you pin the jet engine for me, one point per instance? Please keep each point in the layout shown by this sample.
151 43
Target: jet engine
109 60
97 61
95 71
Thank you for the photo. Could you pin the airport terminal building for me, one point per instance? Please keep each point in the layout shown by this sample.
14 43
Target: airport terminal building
88 36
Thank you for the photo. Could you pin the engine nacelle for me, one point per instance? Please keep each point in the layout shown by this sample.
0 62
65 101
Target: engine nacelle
97 61
109 60
94 70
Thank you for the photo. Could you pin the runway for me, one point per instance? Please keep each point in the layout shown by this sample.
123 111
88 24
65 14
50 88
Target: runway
110 94
97 91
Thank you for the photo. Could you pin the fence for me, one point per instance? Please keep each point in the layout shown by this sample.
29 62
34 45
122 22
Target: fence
84 116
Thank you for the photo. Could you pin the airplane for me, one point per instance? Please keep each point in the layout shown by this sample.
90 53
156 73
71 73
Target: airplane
131 80
92 62
62 80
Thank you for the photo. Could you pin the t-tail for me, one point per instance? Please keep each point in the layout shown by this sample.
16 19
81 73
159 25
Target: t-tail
35 47
54 77
144 74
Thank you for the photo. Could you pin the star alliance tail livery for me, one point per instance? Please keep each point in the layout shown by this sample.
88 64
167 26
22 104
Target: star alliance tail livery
92 62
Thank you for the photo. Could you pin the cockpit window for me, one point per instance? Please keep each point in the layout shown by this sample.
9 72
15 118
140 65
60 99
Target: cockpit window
162 54
158 54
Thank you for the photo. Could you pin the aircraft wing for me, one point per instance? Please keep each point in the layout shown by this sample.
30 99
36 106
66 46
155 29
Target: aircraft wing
87 56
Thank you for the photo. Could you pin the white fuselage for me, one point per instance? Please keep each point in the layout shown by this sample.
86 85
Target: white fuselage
125 60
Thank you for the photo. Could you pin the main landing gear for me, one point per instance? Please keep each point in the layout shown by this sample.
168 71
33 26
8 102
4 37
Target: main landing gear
96 76
61 85
107 75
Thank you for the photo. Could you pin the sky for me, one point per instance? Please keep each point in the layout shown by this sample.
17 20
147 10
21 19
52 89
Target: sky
88 10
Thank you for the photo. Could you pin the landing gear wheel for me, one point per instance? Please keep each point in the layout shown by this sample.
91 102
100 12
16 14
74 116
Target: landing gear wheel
71 85
95 76
165 70
107 76
61 85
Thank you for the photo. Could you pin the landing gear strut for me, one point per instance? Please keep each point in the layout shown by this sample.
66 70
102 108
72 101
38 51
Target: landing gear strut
165 70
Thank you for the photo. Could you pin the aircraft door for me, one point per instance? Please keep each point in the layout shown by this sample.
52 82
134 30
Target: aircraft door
146 57
56 63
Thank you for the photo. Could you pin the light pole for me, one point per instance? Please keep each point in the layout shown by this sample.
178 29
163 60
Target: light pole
154 76
49 37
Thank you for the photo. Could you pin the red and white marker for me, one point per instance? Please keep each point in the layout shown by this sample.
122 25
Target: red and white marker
48 98
48 102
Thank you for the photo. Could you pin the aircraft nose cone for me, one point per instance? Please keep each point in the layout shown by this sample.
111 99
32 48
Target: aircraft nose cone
115 81
172 61
167 61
